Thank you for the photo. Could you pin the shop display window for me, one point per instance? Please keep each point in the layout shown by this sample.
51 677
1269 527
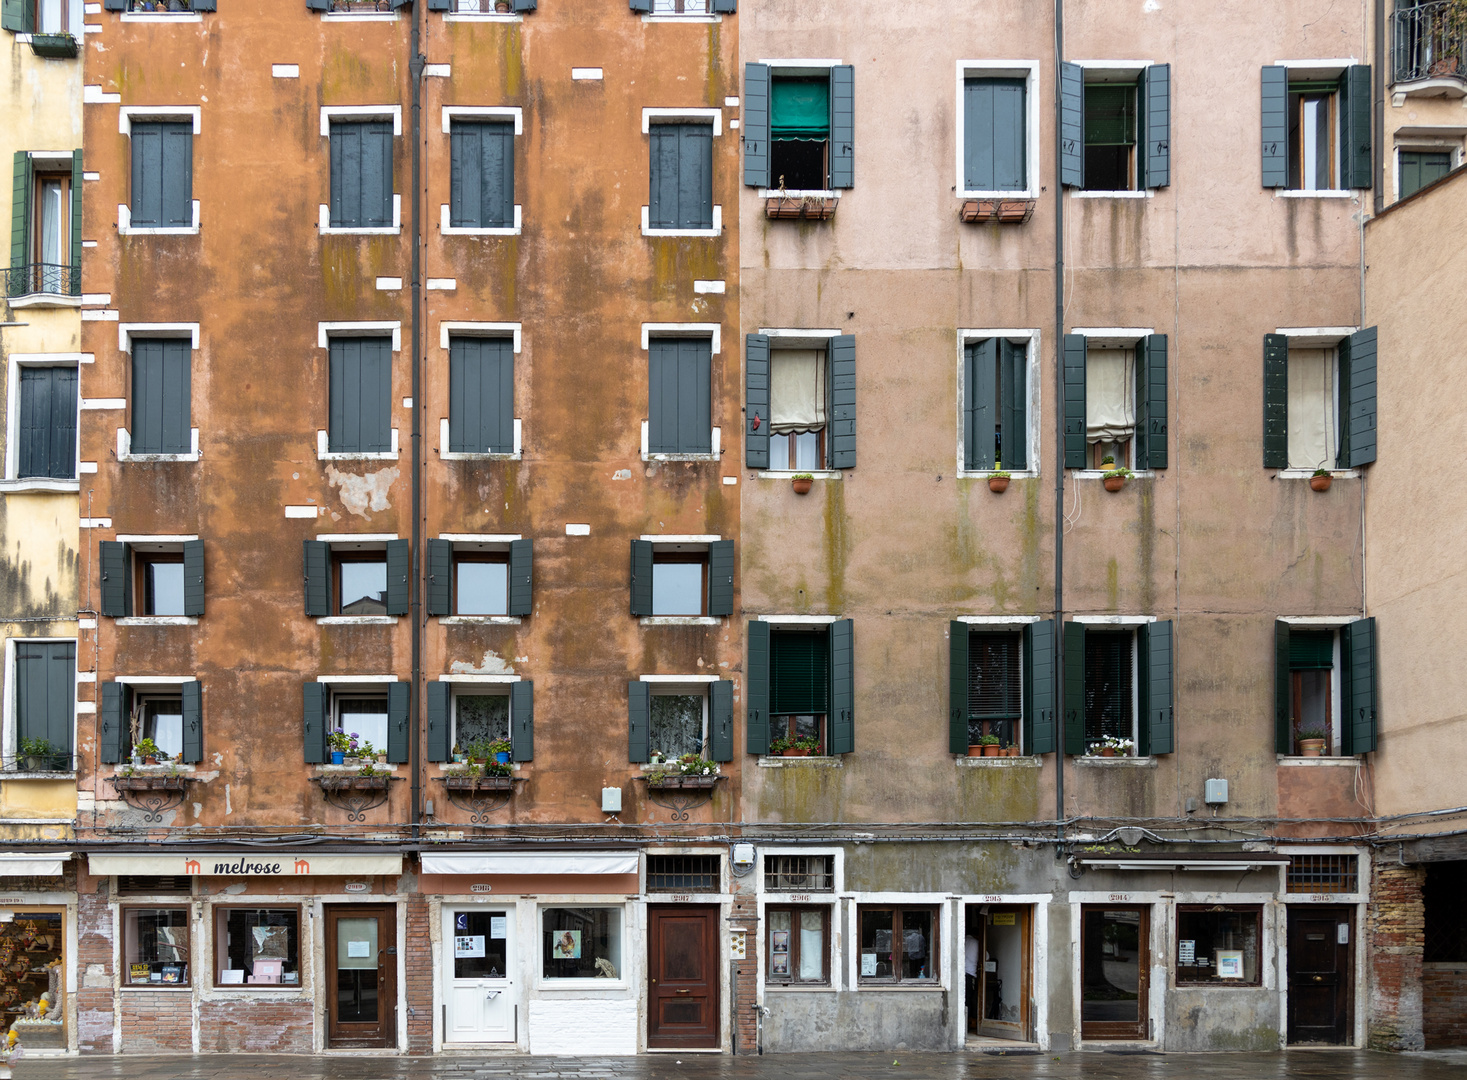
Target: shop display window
898 944
32 977
798 946
257 947
155 946
1218 946
581 943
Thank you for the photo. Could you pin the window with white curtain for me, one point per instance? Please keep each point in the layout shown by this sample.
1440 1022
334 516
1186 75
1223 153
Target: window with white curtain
1312 409
52 239
1110 404
797 400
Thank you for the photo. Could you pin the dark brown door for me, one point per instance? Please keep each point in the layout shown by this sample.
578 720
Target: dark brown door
682 998
1115 957
361 976
1321 987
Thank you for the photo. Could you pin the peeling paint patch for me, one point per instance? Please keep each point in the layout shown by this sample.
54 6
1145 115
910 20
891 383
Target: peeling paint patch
359 494
622 474
491 664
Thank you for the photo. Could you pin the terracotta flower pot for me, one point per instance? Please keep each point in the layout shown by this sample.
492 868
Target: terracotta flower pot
148 760
1311 747
1114 483
792 752
998 484
992 750
1320 483
1013 751
802 486
975 750
1107 751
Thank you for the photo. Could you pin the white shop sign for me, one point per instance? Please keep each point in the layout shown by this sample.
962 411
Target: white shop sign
234 864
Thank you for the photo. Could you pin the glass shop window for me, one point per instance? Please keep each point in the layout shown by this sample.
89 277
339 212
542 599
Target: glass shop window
898 944
1218 946
155 946
257 946
581 943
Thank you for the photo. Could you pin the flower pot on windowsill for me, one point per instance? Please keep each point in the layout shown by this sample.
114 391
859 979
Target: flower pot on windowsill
992 750
1012 751
1320 481
1311 747
338 757
802 483
790 751
975 750
998 482
1114 481
1107 751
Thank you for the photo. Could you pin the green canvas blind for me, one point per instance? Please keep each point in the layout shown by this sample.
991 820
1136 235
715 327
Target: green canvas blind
993 135
1151 403
114 699
399 576
957 687
193 578
399 698
1110 115
641 579
756 688
842 719
20 212
679 402
481 175
1013 404
521 577
480 395
17 16
317 574
440 736
842 410
1275 401
1357 394
842 126
313 728
116 579
1283 697
192 700
1355 124
800 108
1156 692
756 401
361 175
47 427
720 720
799 673
161 392
45 692
439 591
639 721
1275 118
1359 704
680 179
1040 733
1155 93
360 419
981 406
1074 688
522 720
1311 650
1074 368
720 577
756 125
162 175
76 219
1072 133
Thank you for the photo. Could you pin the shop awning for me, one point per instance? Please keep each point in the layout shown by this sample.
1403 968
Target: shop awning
28 864
549 862
252 864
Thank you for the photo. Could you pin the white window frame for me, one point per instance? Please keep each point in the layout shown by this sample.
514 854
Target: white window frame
125 333
152 544
671 116
1132 623
126 115
1307 71
484 16
800 339
339 687
1033 400
10 737
53 163
359 16
155 16
1028 70
656 16
830 898
667 542
538 979
709 331
1113 337
447 330
16 361
495 542
325 331
346 542
796 68
353 113
1124 72
477 686
681 686
482 112
1319 337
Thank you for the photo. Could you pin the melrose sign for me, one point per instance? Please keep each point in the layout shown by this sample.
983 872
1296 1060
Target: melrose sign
233 864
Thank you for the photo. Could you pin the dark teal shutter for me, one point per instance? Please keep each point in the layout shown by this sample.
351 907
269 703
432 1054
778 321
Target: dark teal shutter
644 6
662 176
679 402
1275 401
177 181
317 562
399 576
1157 728
521 577
1355 124
399 697
1151 403
1074 688
112 723
15 15
205 5
721 720
521 6
756 401
981 378
317 697
725 7
361 174
1357 388
756 125
993 135
145 207
756 688
162 174
1040 734
641 577
522 720
193 722
680 179
843 402
1275 116
481 395
45 695
639 721
20 217
842 126
47 423
957 687
440 5
439 724
1283 697
77 177
161 392
1156 111
720 577
360 419
116 596
440 580
1358 698
842 687
1074 363
1072 128
193 577
481 175
317 5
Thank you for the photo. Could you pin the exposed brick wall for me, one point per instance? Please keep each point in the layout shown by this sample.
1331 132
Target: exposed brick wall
156 1021
1444 1015
418 972
94 970
746 983
1396 928
258 1027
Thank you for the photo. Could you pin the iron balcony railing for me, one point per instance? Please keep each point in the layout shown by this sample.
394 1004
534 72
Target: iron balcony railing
52 278
1428 41
38 763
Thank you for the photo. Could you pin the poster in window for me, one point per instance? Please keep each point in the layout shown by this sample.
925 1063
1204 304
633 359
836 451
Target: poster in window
140 972
271 942
779 941
498 926
468 945
1186 952
1229 963
567 945
358 948
780 964
172 973
868 963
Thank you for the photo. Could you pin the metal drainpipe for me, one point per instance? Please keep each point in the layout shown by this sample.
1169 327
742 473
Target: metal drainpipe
1059 427
1378 120
415 69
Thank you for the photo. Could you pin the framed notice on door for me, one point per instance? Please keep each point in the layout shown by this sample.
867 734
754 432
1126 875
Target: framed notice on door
468 945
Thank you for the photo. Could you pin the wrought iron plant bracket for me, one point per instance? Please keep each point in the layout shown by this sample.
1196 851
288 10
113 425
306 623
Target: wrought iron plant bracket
480 796
153 795
354 794
680 794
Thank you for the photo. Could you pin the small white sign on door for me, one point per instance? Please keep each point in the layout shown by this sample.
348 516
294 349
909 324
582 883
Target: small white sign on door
498 926
358 948
868 963
468 945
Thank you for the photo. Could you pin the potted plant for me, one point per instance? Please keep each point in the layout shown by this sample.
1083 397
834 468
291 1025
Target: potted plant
38 754
802 482
150 752
1012 751
1311 743
339 743
656 757
480 750
975 749
366 751
1119 747
457 755
990 744
998 481
1115 478
499 750
1321 480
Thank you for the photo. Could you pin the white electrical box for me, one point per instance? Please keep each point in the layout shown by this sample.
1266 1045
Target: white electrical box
611 800
743 855
1215 792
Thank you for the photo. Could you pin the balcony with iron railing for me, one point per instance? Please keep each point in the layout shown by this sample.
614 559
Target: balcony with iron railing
1427 42
42 279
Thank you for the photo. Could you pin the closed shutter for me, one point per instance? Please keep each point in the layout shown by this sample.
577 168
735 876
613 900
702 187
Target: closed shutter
399 697
521 577
45 693
842 412
639 721
399 576
1039 726
162 175
957 687
1072 129
1155 707
47 427
1275 118
20 216
361 386
1156 114
842 687
440 5
481 175
146 204
993 135
1355 124
317 563
720 577
1275 401
77 178
756 401
1151 403
439 733
113 718
116 594
981 409
522 720
361 175
1074 688
756 688
317 5
206 5
641 577
1014 404
720 720
1074 363
481 395
192 694
161 390
756 125
440 579
178 176
1358 697
1357 391
193 578
1283 697
313 728
679 404
842 126
680 178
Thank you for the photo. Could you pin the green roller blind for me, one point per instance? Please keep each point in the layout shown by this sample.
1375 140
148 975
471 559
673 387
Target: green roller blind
799 677
800 109
1110 115
1311 650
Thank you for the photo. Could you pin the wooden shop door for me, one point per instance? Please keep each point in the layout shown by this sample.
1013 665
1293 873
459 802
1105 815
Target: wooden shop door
361 976
1321 968
1115 962
682 993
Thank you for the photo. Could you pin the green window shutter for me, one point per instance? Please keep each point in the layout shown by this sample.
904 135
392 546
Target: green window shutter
440 737
756 688
680 180
639 721
317 578
1357 387
145 202
957 687
206 5
641 577
14 15
1074 364
113 722
162 174
1355 124
1157 728
193 577
313 728
842 126
1358 698
1419 168
522 720
440 5
399 698
193 722
1074 688
756 401
481 395
1155 91
177 178
20 214
1072 127
980 408
399 576
1283 737
993 135
521 6
45 692
756 125
1275 116
317 5
842 425
440 580
679 401
720 577
1275 401
116 596
76 221
161 393
521 577
47 426
360 412
361 174
725 7
1014 404
721 720
1040 734
842 722
1151 403
644 6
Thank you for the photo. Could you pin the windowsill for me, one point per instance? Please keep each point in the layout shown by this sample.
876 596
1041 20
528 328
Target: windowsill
1145 193
148 988
395 230
167 769
36 484
156 620
682 18
1445 966
357 620
1099 474
1219 984
716 229
582 984
162 16
352 770
997 762
1014 474
331 455
38 776
359 16
452 231
1448 86
1098 762
447 229
795 988
45 300
681 457
1025 194
682 620
450 455
180 230
1289 193
158 457
269 988
1308 474
480 620
483 16
802 193
453 769
1310 762
902 988
789 474
771 761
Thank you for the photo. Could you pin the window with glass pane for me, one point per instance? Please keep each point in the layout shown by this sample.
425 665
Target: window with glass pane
492 960
161 583
898 944
1313 149
799 131
680 583
160 718
798 945
1108 686
797 402
677 724
1110 404
1110 137
257 946
1218 946
361 584
155 946
1313 421
480 584
581 943
480 717
364 717
799 685
52 228
993 687
1311 682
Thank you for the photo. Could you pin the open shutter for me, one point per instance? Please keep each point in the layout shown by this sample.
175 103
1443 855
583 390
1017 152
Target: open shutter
1151 443
1355 123
121 5
1039 727
756 125
206 5
957 687
440 5
725 7
1074 362
440 580
112 721
756 688
522 720
1358 699
521 577
14 13
1074 688
399 698
1275 117
193 577
318 578
522 6
842 687
1156 115
439 724
1357 388
115 591
643 6
1283 736
641 577
721 720
1014 404
756 401
317 5
193 722
720 577
1156 688
639 721
842 126
20 212
843 402
399 576
981 409
1275 401
76 222
1072 126
313 727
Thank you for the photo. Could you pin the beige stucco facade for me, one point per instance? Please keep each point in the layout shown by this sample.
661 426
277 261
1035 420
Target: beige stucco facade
1425 90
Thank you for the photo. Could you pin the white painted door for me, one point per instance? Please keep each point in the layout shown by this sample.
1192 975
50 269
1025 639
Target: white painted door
479 988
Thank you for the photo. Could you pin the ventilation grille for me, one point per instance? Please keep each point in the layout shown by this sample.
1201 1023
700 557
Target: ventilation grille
682 873
799 873
1323 874
145 885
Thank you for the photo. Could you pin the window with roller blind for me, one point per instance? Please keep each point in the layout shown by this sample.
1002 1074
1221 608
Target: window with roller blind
1115 400
801 685
799 401
1325 687
1119 685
